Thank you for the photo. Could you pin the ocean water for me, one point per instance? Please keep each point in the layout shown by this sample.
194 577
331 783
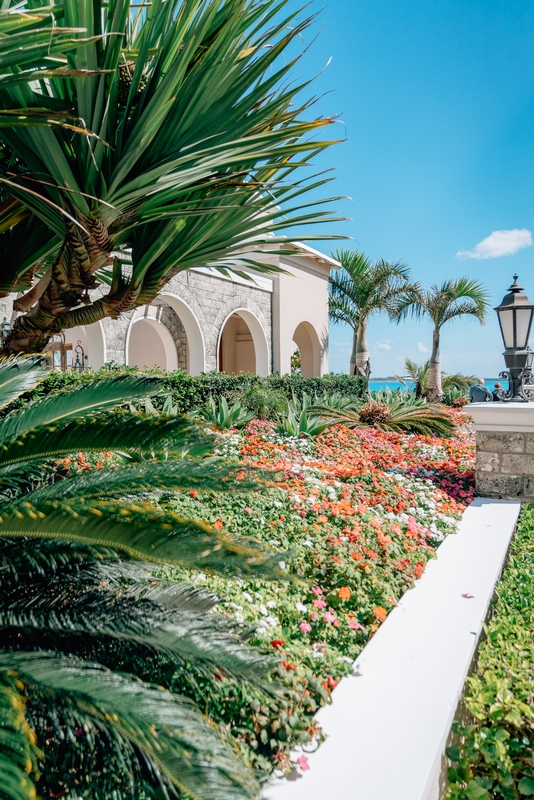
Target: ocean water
375 386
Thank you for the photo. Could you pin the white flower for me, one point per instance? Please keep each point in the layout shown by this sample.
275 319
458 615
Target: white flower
247 597
239 617
263 610
271 604
200 577
258 595
261 630
301 607
275 543
277 503
271 621
282 564
307 543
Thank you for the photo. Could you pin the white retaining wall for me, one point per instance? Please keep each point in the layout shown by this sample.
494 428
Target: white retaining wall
388 726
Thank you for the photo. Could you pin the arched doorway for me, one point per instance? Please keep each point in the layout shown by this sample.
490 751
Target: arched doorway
194 339
243 345
307 341
150 344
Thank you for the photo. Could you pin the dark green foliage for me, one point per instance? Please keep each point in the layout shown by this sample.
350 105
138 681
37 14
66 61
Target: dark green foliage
85 633
189 391
494 757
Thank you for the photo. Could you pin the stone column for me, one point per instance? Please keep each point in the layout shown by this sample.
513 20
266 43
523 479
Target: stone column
505 450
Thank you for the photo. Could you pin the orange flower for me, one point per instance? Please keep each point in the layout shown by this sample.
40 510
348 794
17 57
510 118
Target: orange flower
380 613
344 593
322 518
218 525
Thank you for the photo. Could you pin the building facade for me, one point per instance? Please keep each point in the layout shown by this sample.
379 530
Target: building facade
204 320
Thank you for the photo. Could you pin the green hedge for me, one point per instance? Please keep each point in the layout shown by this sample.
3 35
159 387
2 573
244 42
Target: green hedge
495 758
190 391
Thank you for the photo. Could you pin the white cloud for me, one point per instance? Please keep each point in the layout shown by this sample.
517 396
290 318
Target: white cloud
499 243
383 345
421 348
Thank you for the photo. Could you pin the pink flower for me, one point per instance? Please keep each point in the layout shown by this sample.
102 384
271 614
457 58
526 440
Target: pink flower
303 763
355 625
316 590
248 510
337 623
319 604
305 627
329 617
313 616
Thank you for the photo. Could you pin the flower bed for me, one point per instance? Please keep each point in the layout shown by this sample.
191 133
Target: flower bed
495 757
352 517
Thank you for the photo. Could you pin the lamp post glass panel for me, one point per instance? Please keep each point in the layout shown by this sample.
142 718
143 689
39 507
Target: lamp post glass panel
515 319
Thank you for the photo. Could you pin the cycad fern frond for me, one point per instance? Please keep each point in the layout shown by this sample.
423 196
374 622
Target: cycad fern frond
186 751
18 752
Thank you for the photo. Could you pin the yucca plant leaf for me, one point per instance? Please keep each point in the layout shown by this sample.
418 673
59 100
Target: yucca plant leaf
140 532
90 398
184 747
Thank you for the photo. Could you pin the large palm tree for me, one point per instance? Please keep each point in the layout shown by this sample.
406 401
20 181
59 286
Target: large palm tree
361 289
83 616
441 304
196 136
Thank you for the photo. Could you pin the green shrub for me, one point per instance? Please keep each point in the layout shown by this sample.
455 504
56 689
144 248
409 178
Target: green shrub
495 756
191 391
265 402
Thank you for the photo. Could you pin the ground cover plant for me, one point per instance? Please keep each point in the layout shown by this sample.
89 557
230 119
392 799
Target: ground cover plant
354 517
494 757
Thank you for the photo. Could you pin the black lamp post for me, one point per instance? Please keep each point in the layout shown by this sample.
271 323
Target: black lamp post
515 318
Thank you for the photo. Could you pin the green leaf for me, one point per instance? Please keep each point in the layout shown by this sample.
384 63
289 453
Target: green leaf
182 745
526 786
88 399
18 375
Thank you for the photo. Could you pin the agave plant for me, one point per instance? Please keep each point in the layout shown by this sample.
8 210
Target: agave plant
199 136
223 417
300 421
395 414
83 614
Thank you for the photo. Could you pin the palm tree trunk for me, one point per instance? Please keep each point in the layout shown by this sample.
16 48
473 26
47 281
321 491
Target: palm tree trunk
435 391
352 365
363 363
61 299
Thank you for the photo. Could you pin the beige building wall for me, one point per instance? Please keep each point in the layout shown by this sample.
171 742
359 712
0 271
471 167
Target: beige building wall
300 311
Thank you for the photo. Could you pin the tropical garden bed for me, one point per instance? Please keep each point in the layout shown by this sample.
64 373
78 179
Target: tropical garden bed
354 517
277 558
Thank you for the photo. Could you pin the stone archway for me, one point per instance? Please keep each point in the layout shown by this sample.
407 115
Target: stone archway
242 345
307 341
196 350
150 344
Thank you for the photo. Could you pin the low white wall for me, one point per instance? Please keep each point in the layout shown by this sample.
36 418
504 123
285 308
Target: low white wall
388 725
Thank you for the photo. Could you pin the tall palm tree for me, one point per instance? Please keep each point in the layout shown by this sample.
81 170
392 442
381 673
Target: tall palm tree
84 618
361 289
196 136
452 299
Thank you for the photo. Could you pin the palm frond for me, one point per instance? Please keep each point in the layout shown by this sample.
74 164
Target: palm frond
184 749
18 753
129 433
140 532
208 474
410 417
18 375
78 402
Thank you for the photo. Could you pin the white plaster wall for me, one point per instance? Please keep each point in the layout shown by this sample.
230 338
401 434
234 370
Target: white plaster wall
300 297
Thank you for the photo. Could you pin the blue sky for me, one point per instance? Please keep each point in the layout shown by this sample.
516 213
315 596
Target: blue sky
436 100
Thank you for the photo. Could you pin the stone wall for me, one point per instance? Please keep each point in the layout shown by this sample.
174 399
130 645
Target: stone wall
505 465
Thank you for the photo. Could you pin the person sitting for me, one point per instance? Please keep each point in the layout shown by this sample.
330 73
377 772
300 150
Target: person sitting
478 393
496 393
